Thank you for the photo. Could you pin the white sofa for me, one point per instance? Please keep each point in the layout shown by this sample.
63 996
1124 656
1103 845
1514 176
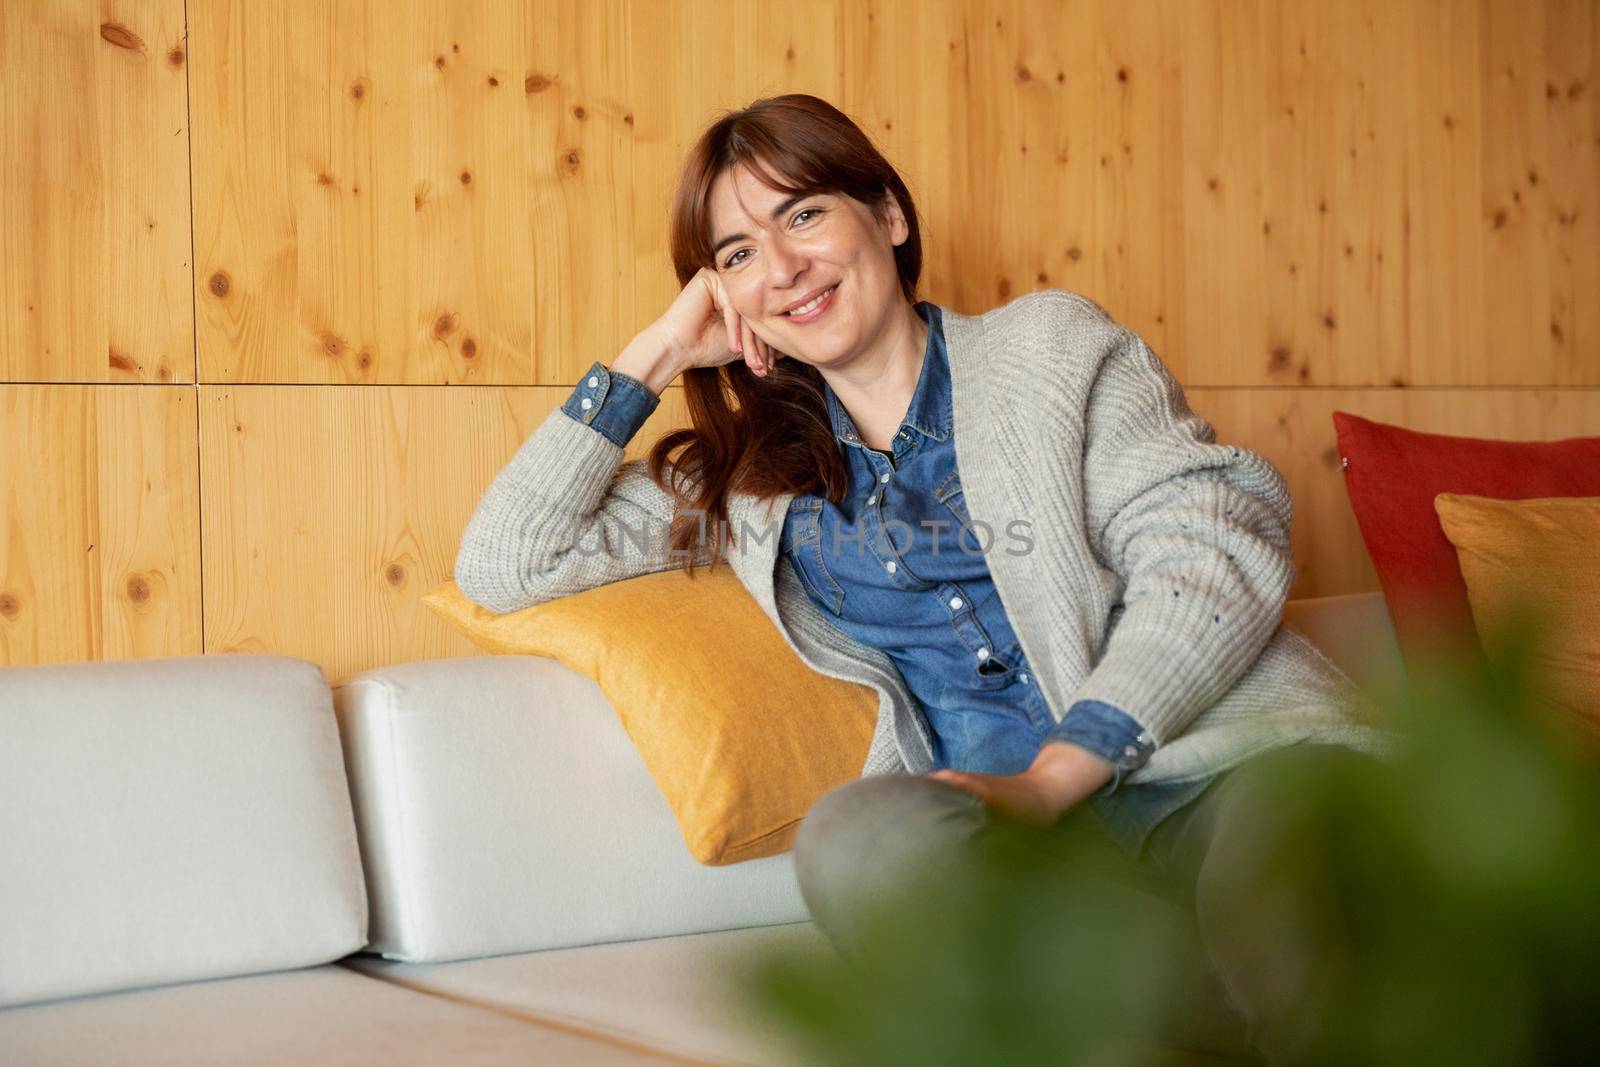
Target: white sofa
220 859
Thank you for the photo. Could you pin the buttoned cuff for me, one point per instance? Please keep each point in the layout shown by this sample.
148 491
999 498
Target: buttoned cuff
612 403
1109 733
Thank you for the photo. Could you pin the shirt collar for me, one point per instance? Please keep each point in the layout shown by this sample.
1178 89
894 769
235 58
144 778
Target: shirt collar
930 411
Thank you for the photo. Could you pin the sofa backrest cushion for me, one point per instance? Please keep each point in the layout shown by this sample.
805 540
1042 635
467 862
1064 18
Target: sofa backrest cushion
503 808
1354 631
169 820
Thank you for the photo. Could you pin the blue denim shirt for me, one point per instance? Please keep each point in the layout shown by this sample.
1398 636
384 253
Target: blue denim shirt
897 566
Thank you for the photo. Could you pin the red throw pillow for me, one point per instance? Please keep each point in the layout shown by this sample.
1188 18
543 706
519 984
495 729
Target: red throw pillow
1392 475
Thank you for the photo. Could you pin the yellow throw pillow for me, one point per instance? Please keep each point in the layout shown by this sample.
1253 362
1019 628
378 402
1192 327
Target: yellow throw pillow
1540 555
739 734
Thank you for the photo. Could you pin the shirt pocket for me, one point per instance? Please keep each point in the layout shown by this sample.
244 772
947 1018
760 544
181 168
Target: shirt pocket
802 545
949 493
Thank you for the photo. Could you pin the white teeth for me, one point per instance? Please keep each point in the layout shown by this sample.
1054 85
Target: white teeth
811 306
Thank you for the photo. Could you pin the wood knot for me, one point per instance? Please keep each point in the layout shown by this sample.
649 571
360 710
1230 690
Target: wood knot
1122 74
444 325
10 606
395 574
1074 253
579 113
358 91
364 359
118 34
138 588
175 58
332 343
1279 359
219 284
1023 73
121 361
494 83
469 348
466 177
164 372
535 83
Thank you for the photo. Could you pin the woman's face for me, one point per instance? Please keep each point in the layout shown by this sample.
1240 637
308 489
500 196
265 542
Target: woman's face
783 249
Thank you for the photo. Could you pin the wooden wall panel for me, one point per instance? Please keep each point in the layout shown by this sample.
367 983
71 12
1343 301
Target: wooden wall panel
428 199
329 512
94 213
1392 208
1294 429
1361 194
99 523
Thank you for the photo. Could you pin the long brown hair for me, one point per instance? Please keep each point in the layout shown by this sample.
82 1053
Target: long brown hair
772 435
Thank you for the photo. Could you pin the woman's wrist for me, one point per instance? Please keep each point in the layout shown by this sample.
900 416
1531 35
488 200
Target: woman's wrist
649 359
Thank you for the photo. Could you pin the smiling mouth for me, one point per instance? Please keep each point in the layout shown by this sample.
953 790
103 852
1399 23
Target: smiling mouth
820 304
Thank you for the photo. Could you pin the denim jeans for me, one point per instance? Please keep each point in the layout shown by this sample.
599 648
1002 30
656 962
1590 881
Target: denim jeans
862 837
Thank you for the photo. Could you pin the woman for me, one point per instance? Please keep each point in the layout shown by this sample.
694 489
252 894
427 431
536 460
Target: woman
1011 525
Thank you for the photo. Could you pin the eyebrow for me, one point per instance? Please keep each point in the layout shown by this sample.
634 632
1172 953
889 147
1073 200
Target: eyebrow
779 210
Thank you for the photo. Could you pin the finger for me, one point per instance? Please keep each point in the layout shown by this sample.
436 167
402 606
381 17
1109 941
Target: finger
750 345
732 321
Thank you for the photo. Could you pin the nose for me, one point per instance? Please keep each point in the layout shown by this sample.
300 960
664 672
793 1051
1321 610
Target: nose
784 264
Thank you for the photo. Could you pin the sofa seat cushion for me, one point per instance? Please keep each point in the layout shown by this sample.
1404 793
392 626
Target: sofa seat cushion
169 820
326 1014
681 995
503 808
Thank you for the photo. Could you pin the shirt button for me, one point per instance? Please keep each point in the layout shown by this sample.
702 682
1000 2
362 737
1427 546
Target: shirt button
1144 738
883 477
889 566
983 653
593 381
955 602
904 436
586 404
1024 677
1130 752
873 499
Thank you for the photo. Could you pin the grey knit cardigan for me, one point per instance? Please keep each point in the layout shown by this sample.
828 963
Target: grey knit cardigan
1148 565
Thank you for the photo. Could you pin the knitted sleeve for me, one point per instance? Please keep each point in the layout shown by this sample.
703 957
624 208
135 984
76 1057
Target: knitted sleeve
1198 533
564 515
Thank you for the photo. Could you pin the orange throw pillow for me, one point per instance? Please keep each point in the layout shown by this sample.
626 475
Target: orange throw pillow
1543 556
739 734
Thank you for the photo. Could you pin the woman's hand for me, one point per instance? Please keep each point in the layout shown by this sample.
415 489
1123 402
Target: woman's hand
702 326
1027 797
1061 775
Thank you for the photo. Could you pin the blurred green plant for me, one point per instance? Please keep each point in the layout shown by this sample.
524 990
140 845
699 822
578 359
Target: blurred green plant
1452 892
